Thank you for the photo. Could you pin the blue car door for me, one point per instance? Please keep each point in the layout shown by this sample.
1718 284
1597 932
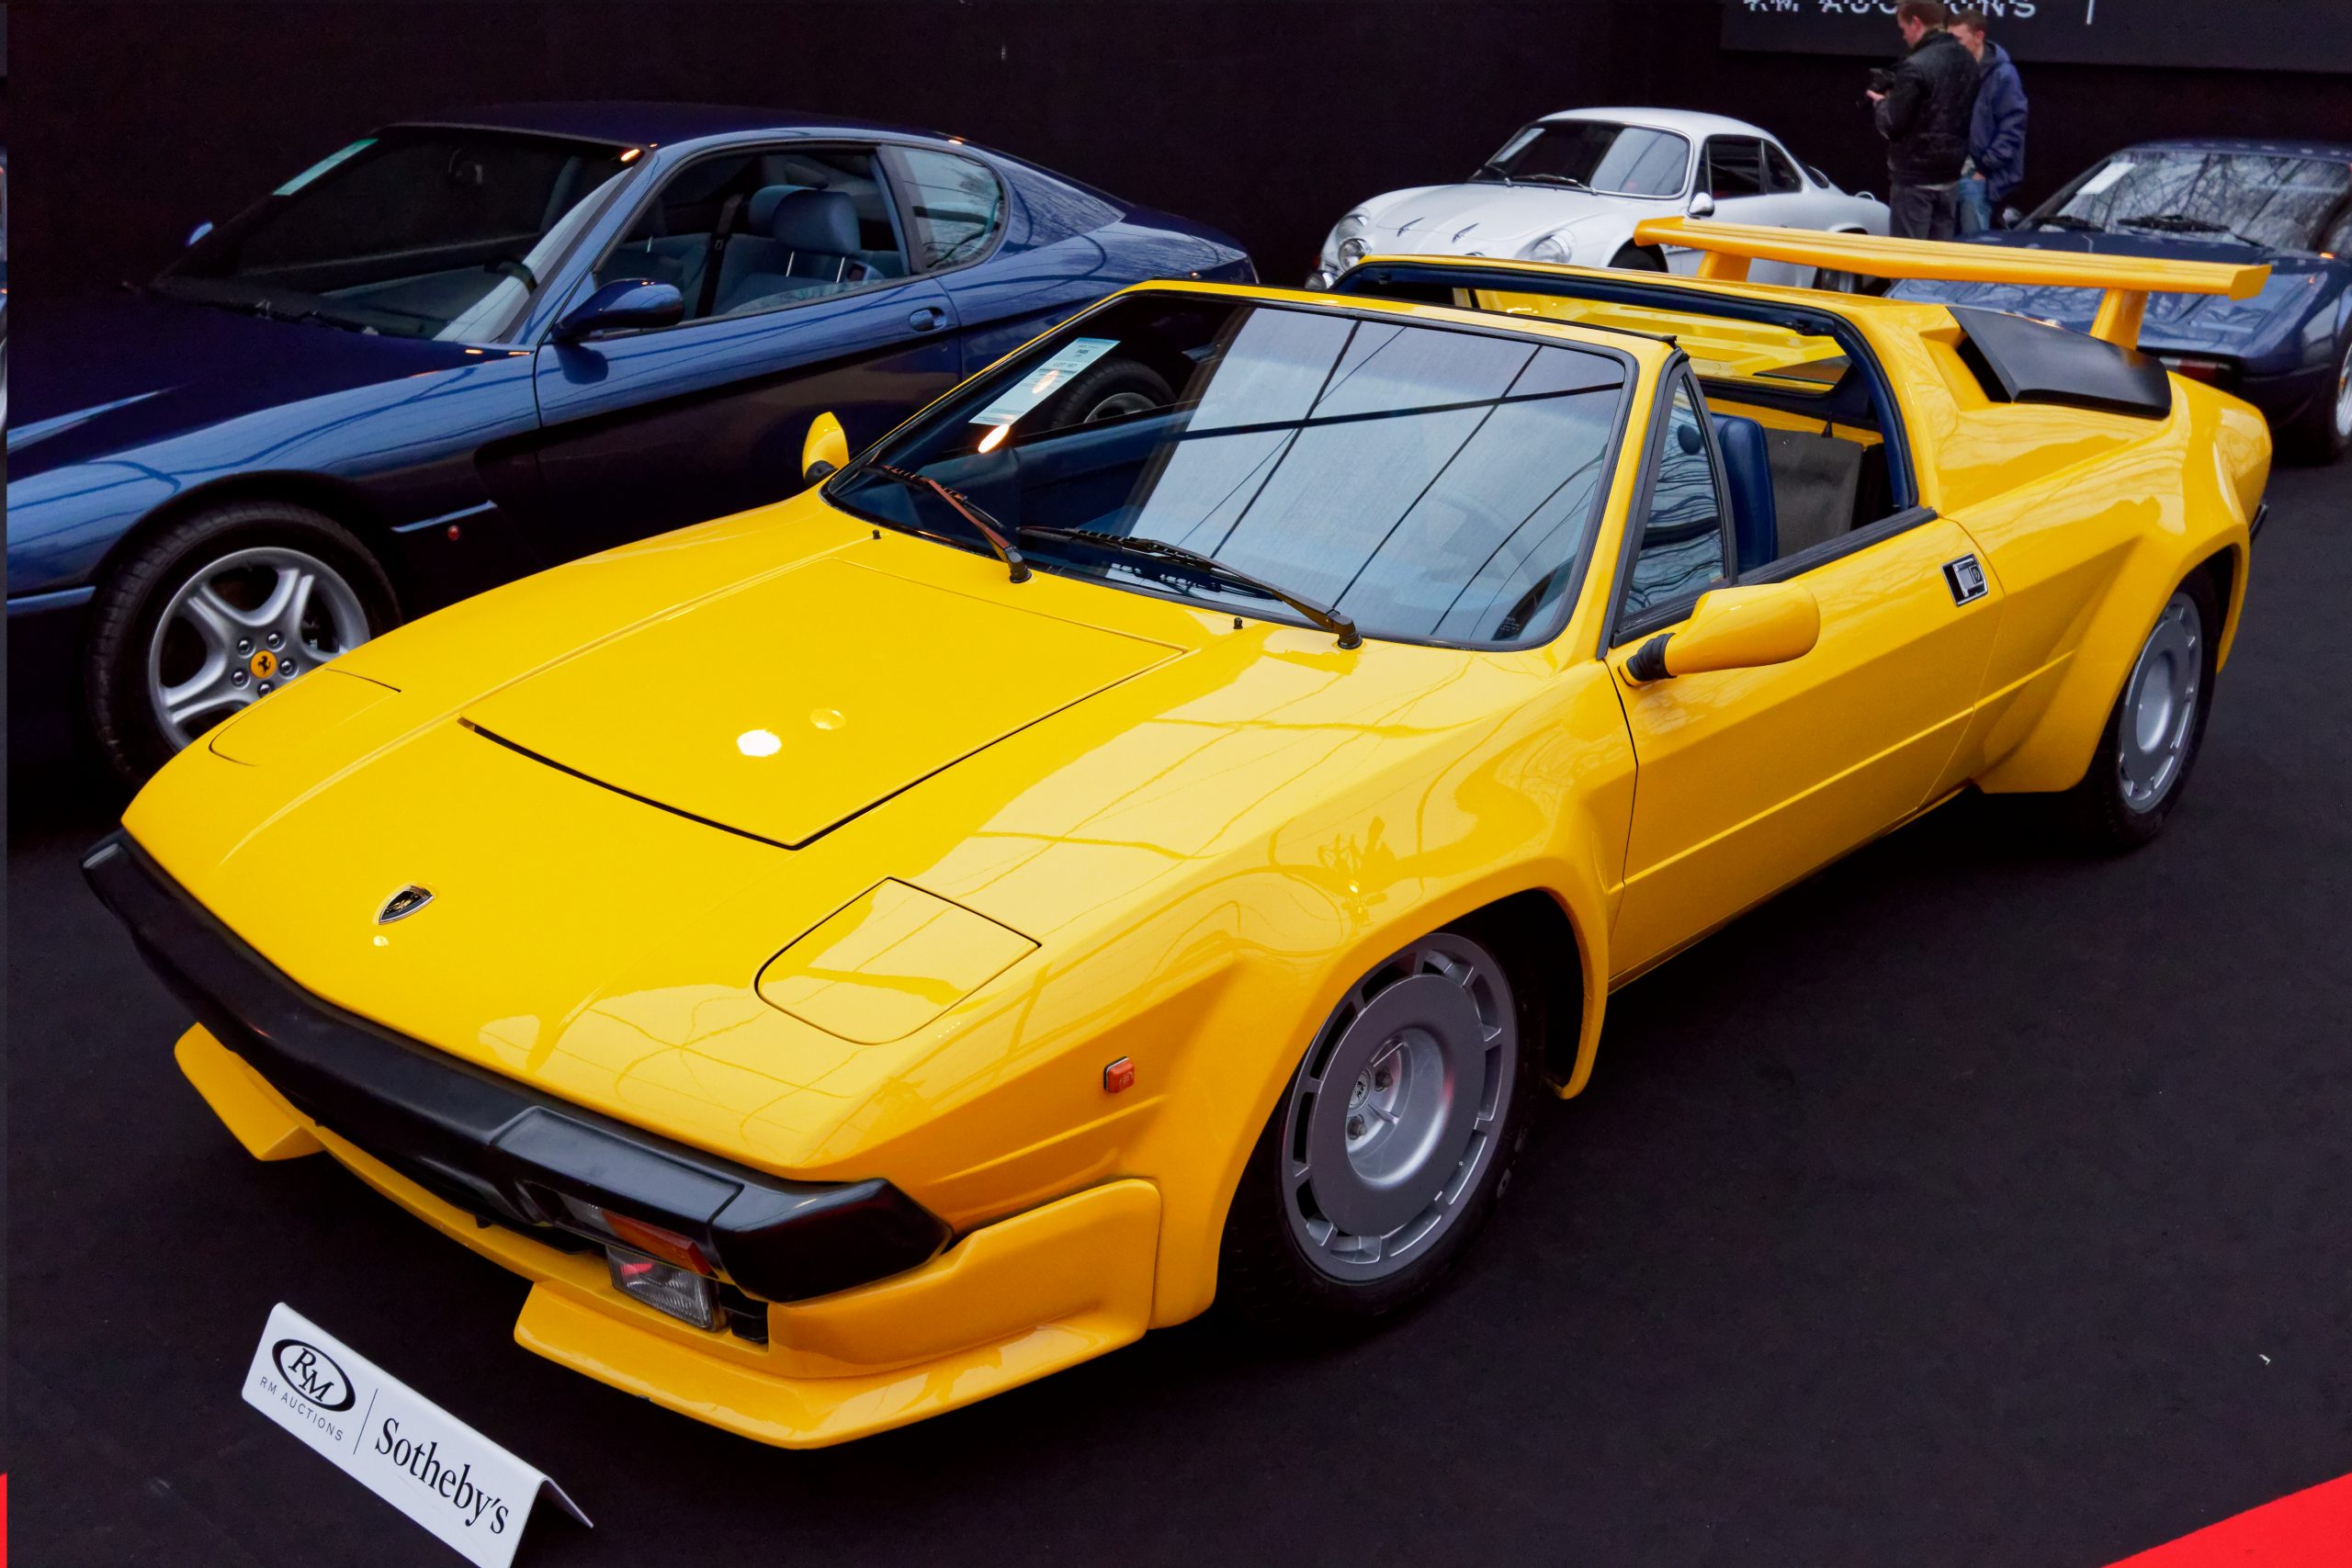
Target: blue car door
799 302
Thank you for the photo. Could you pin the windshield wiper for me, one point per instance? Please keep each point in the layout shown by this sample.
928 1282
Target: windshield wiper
1492 167
988 527
2182 223
1568 180
1330 620
2069 220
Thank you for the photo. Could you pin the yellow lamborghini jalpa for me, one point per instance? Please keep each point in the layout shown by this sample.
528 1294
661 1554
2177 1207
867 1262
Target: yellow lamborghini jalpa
1145 831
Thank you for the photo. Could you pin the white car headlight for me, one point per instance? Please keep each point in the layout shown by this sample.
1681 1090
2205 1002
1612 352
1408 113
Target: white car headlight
1348 244
1548 248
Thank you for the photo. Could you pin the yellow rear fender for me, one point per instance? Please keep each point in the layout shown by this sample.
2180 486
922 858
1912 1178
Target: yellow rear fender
2041 718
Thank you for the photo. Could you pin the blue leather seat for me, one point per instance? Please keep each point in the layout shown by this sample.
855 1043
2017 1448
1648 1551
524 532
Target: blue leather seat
796 242
1747 474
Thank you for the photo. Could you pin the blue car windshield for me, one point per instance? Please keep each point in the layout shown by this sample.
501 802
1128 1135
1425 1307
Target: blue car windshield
2275 201
421 231
1430 483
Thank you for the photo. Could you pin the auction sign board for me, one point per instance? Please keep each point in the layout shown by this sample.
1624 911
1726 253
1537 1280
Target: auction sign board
2261 35
394 1441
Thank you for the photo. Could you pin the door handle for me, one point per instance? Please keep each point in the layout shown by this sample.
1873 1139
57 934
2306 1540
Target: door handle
931 318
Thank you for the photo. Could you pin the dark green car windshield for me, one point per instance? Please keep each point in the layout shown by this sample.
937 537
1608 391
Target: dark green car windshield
1432 483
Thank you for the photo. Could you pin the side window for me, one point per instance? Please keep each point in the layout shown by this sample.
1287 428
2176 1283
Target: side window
1780 174
1682 537
743 234
1734 167
2337 241
957 205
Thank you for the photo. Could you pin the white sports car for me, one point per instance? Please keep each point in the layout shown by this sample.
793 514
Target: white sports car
1571 186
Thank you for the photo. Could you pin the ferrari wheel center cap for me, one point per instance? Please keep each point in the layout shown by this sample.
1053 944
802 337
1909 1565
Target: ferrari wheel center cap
264 664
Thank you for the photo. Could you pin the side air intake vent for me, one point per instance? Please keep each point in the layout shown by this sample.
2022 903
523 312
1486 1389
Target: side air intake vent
2020 360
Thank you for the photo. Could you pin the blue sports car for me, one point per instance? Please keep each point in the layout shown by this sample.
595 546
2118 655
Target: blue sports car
2288 350
453 352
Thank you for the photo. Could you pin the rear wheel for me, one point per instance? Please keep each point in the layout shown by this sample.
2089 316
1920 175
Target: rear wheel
1391 1145
2156 727
217 612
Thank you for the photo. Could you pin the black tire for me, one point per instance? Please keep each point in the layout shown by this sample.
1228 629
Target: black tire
2318 435
2098 810
1111 388
1637 258
131 604
1265 1278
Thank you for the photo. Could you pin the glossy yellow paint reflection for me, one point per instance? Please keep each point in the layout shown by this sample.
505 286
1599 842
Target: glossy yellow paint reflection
861 763
1720 347
889 963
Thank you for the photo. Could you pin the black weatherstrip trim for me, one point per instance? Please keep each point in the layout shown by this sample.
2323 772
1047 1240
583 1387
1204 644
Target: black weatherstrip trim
499 1148
1838 545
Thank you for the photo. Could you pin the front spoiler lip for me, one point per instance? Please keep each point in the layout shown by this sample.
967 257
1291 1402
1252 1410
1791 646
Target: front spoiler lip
509 1149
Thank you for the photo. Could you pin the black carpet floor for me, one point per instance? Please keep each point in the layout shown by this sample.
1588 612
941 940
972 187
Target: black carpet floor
1974 1204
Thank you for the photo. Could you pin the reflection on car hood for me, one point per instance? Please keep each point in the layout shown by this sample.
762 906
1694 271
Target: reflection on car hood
2207 323
784 707
111 372
1485 219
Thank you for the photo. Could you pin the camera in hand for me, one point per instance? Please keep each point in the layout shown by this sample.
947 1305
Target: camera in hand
1882 81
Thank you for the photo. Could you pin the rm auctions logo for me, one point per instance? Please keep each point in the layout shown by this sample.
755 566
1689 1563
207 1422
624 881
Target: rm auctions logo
312 1374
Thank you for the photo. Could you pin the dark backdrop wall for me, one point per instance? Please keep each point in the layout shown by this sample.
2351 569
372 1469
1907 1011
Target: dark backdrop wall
129 123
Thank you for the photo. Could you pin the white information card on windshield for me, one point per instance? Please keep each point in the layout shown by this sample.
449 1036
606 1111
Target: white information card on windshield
397 1443
1036 387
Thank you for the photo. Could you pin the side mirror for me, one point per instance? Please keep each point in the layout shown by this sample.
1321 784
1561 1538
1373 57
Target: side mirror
1702 205
825 450
1733 628
199 233
630 304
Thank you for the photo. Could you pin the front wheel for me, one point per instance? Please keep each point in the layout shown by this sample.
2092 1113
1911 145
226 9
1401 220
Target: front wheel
1391 1145
2323 431
2156 727
217 612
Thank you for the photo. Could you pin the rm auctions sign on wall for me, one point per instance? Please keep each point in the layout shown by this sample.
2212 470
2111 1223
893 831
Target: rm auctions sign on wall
2272 34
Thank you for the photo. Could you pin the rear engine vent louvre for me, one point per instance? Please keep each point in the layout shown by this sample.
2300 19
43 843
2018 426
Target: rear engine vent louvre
2020 360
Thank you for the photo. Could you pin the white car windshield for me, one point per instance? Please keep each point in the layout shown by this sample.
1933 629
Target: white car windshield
424 232
1427 484
1617 160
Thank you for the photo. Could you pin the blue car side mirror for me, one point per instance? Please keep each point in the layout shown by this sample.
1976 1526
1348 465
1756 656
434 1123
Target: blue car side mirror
630 304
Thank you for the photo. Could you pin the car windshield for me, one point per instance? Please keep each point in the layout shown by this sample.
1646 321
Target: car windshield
2262 199
1621 159
416 232
1430 483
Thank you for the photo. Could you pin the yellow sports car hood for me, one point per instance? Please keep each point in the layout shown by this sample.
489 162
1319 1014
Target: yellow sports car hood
790 705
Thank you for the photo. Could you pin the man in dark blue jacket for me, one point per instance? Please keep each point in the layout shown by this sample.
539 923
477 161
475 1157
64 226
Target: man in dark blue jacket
1996 126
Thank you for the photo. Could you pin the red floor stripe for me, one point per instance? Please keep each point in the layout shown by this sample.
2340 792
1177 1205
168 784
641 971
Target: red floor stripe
2310 1529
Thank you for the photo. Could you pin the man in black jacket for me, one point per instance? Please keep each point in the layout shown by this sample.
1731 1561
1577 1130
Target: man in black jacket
1923 114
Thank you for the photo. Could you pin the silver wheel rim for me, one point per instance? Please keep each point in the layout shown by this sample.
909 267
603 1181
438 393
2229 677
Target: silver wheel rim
1117 405
2344 398
2160 704
1395 1115
239 628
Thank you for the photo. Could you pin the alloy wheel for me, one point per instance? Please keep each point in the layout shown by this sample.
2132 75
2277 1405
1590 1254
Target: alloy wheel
240 627
2160 704
1397 1112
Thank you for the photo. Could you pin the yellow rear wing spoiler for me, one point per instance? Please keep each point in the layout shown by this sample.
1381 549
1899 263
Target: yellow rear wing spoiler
2127 281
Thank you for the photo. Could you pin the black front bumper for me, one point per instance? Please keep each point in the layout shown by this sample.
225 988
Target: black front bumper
496 1148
